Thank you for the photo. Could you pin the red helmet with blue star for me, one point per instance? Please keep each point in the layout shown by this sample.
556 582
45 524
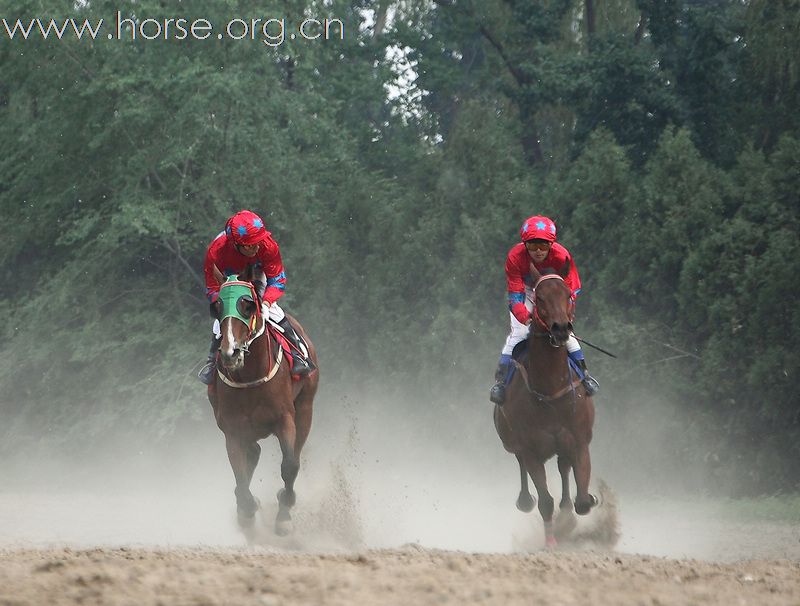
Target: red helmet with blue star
245 228
538 228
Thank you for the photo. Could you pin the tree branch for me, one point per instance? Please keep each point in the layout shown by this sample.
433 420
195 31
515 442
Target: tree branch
176 252
637 36
380 18
518 74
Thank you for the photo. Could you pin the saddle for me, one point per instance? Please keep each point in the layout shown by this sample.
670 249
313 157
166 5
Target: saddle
288 348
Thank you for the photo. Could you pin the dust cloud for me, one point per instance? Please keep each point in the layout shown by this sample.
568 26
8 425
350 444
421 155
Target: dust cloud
377 472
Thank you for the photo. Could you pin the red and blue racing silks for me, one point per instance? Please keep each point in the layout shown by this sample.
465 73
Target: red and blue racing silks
518 275
245 228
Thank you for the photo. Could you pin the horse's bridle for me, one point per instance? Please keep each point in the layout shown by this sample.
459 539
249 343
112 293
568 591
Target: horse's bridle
252 336
255 330
535 314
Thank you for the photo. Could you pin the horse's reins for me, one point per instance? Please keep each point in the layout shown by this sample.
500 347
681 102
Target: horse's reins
536 315
524 371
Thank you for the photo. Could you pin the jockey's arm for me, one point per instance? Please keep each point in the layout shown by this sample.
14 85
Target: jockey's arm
516 305
271 263
573 280
212 284
516 292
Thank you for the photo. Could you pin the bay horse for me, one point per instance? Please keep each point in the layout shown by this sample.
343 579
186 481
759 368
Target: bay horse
547 411
254 396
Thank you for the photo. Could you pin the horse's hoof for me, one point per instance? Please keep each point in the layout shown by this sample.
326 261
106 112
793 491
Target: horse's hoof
283 528
245 519
565 524
584 507
525 503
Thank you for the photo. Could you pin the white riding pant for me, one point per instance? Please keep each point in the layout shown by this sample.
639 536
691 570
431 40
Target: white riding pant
273 312
519 332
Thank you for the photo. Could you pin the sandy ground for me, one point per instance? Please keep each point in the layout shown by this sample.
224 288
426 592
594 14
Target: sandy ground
411 575
380 519
89 549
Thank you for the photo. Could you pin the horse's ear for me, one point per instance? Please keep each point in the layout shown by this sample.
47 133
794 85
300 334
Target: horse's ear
565 270
218 276
535 274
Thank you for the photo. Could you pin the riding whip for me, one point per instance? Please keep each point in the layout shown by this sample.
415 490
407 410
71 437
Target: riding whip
608 353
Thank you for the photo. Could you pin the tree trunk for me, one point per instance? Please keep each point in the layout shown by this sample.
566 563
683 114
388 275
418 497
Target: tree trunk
591 20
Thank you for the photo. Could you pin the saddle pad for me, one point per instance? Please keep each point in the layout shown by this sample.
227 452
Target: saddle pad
285 345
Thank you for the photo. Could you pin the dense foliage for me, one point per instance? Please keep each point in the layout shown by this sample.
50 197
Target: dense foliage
662 136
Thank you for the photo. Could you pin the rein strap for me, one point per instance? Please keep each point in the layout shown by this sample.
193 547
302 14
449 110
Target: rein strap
261 381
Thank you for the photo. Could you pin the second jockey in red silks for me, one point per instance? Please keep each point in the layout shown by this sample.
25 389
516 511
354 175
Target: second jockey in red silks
245 241
538 235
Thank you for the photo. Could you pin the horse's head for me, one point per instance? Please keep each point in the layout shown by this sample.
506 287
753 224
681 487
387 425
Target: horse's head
239 316
554 308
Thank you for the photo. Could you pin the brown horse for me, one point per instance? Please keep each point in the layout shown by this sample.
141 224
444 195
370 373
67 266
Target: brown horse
254 397
547 411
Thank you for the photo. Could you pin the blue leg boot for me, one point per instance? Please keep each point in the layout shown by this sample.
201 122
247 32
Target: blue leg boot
497 395
589 382
207 374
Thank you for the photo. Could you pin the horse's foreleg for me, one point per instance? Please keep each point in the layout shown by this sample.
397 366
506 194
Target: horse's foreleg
535 468
290 465
243 459
525 501
564 467
253 454
565 521
303 406
583 471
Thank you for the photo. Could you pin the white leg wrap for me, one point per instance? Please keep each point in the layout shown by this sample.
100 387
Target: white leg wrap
572 344
519 332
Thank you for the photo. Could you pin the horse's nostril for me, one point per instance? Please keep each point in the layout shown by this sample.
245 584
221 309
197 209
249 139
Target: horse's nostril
560 330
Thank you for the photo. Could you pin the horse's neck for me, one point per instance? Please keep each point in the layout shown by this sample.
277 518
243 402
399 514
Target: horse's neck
264 343
547 365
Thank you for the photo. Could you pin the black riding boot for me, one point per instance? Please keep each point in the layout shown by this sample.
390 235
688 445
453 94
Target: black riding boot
300 365
497 394
206 374
589 382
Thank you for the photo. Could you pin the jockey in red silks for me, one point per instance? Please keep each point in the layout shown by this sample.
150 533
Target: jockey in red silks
538 245
246 241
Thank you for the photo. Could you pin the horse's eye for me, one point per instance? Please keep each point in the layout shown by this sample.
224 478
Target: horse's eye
245 306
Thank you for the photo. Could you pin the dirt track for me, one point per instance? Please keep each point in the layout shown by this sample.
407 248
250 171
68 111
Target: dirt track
329 560
172 538
411 575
